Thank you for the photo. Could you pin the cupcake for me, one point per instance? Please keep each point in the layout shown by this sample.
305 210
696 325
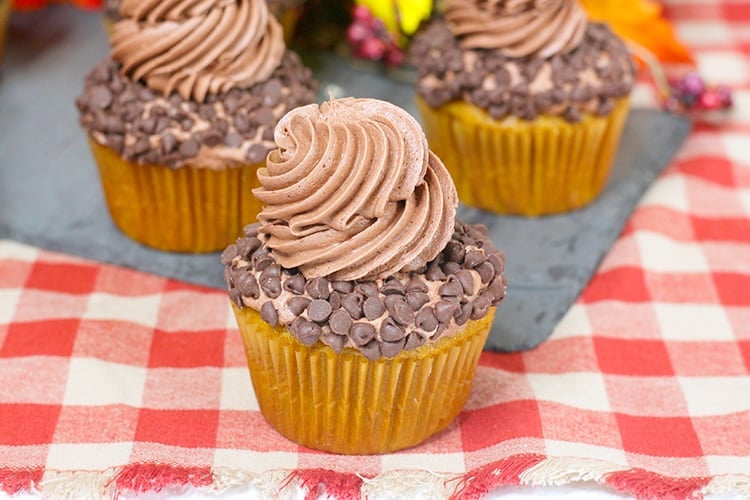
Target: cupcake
286 11
524 101
363 303
181 115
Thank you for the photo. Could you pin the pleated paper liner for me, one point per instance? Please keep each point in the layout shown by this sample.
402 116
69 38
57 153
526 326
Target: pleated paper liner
345 403
187 209
4 18
512 166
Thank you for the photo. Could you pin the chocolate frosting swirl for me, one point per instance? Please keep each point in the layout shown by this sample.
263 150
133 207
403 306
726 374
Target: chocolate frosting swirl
517 27
353 192
197 47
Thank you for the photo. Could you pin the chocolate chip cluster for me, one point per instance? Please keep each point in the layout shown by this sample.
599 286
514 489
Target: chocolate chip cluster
147 127
447 72
380 318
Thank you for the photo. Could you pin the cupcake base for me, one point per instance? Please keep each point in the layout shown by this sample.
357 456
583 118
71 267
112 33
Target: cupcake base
187 209
345 403
512 166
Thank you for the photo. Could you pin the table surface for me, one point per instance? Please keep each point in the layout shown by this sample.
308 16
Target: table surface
642 387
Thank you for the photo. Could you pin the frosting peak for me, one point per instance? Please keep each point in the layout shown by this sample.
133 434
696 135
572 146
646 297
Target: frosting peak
517 28
353 192
196 47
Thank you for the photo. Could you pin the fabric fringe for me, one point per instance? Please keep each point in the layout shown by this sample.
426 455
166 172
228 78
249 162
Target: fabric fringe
328 483
528 470
645 484
479 482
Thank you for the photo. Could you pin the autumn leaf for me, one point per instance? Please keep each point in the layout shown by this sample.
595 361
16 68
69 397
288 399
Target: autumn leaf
642 22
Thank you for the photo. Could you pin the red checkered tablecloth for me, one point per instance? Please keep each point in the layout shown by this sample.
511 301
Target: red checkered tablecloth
113 380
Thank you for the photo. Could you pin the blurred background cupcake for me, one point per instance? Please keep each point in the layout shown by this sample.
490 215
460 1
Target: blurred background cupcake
286 11
4 18
182 114
363 303
524 101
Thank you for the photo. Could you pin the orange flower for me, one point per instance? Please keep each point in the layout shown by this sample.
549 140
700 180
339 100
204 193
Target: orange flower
642 22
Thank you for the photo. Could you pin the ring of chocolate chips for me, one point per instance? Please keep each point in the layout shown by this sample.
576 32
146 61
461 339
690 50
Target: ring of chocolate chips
337 311
143 126
444 75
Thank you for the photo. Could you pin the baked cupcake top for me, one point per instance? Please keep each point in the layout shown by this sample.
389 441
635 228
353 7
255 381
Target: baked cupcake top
193 81
522 58
358 245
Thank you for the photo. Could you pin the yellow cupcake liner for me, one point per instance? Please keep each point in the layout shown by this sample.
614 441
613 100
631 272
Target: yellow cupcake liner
513 166
345 403
187 209
4 18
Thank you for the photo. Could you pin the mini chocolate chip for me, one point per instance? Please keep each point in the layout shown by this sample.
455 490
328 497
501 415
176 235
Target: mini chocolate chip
426 319
317 288
391 349
100 97
247 246
235 296
352 303
498 264
393 286
295 284
248 285
439 332
233 139
367 288
189 148
455 252
241 123
362 333
262 262
486 272
400 312
473 259
434 273
272 271
269 314
414 340
308 332
466 279
451 288
168 142
450 268
115 141
319 310
481 306
228 255
335 342
371 350
251 230
497 289
390 331
271 286
373 308
187 124
256 153
342 286
463 314
335 300
297 305
340 322
265 117
416 284
212 138
146 125
416 300
445 310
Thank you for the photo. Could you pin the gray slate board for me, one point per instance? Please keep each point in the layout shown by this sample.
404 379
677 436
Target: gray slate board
50 194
